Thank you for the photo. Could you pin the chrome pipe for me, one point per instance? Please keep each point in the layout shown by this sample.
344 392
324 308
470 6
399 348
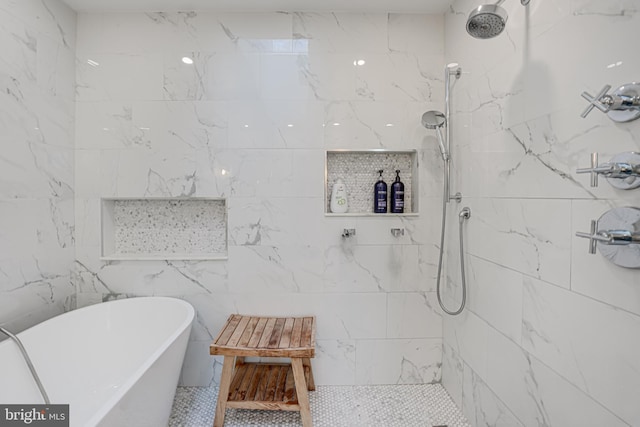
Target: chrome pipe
26 358
450 69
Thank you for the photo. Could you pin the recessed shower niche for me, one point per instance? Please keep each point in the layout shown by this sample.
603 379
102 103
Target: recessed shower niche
358 169
164 229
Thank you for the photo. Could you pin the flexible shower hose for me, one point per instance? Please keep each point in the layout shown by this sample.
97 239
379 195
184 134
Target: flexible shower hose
463 215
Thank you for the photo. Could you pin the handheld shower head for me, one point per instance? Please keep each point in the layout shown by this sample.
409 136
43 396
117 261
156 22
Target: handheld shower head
435 120
486 21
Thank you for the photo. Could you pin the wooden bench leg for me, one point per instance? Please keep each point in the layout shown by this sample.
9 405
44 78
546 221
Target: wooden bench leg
311 384
302 392
223 392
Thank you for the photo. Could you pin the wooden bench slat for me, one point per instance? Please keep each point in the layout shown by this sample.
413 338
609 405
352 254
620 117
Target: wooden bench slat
261 391
285 340
307 332
272 384
274 341
266 335
248 332
228 330
237 334
257 333
246 381
289 388
237 379
280 386
255 383
297 332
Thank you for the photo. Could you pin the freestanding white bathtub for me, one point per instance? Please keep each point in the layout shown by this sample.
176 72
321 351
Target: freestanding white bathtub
116 364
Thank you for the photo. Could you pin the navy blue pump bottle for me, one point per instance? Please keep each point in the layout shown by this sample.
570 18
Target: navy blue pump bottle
397 195
380 195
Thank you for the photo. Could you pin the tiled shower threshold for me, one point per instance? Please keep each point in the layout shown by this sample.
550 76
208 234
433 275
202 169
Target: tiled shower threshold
424 405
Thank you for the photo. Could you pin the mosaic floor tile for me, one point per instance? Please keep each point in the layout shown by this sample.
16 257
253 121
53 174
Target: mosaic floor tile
424 405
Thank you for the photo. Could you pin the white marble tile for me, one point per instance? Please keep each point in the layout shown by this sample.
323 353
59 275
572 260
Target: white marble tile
452 374
274 222
335 362
276 124
565 342
198 367
413 315
119 77
489 283
416 33
273 173
376 268
467 335
538 395
398 361
331 76
121 32
336 319
282 77
106 125
168 125
341 32
530 236
481 406
275 269
368 125
232 76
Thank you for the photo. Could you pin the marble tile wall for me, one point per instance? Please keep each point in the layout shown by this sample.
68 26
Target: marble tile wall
37 79
549 334
250 121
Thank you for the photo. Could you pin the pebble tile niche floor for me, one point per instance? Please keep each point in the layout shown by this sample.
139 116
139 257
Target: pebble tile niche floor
423 405
359 172
147 226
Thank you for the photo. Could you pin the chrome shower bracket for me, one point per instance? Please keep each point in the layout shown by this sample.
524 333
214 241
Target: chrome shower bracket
618 234
623 105
622 172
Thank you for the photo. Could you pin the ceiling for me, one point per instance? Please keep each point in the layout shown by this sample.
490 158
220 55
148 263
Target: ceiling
402 6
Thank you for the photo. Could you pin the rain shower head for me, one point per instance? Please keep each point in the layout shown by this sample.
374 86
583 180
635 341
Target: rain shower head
486 21
435 120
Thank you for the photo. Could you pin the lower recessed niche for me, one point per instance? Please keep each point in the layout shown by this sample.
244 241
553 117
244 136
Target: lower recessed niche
165 229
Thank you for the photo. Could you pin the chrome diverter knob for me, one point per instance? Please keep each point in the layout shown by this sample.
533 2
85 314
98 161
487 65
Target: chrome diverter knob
618 232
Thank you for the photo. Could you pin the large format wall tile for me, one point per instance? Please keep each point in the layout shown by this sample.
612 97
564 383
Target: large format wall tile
547 340
37 227
249 121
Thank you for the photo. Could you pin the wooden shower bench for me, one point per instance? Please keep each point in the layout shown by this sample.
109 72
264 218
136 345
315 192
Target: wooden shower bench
270 386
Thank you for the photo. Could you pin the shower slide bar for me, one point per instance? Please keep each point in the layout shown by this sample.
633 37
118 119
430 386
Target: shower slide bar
27 359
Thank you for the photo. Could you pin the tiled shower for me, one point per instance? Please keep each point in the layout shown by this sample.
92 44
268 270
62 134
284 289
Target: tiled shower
100 106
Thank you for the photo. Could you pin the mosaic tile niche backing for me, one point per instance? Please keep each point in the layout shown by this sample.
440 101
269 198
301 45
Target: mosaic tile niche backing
142 228
359 172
